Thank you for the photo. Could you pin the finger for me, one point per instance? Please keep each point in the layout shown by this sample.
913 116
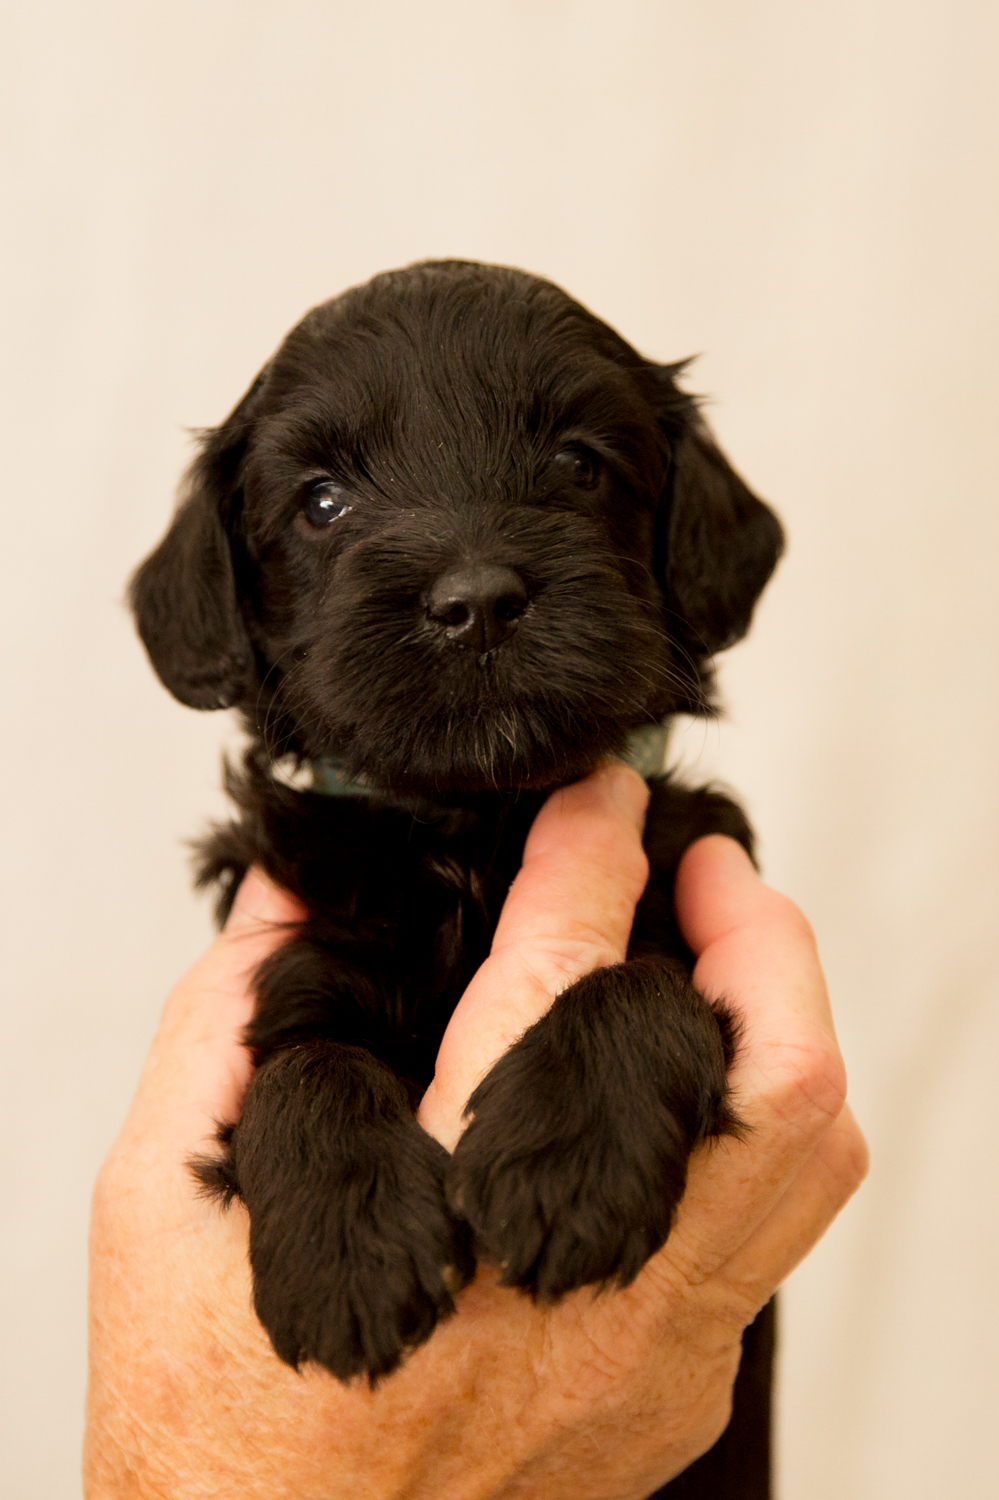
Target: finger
826 1182
197 1068
584 868
721 900
569 911
756 952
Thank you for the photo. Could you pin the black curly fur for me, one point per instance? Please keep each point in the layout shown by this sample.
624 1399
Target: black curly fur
463 418
633 1065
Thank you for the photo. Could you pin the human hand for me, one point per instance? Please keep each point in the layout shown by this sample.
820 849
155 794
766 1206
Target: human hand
605 1396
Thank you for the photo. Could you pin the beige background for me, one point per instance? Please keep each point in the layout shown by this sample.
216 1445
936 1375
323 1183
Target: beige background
803 192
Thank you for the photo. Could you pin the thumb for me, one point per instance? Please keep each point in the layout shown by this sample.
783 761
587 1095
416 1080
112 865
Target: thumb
260 906
569 911
197 1069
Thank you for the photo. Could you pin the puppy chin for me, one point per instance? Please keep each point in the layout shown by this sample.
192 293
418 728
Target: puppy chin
467 763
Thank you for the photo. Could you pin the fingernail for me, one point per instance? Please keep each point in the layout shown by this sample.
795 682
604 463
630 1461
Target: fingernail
627 790
254 897
730 853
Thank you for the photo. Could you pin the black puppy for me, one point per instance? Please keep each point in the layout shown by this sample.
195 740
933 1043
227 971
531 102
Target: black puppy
458 542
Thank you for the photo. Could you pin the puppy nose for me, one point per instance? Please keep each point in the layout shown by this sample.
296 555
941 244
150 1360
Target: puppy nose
478 606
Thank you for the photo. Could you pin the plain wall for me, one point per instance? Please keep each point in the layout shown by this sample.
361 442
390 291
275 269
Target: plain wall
804 195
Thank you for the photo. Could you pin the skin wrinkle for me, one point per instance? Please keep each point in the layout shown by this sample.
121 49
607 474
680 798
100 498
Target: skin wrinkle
820 1087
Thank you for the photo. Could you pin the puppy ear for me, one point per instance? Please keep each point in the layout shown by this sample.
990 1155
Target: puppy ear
721 543
184 595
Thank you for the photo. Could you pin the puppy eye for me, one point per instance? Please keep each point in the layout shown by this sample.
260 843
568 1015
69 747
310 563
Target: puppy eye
578 466
325 502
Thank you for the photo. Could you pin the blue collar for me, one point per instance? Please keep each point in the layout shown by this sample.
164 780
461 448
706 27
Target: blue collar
644 751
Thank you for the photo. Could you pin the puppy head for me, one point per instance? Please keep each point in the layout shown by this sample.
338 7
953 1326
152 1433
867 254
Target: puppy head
458 534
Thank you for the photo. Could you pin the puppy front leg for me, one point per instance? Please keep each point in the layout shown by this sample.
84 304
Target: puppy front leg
354 1253
575 1158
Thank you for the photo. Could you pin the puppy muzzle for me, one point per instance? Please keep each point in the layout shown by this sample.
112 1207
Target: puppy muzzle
477 607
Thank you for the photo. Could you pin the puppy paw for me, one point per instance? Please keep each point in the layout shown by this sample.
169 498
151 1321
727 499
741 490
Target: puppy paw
355 1254
575 1158
365 1269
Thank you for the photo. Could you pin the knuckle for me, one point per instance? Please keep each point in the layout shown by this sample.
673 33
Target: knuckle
808 1088
114 1187
792 918
636 868
860 1161
715 1421
105 1194
852 1161
560 962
